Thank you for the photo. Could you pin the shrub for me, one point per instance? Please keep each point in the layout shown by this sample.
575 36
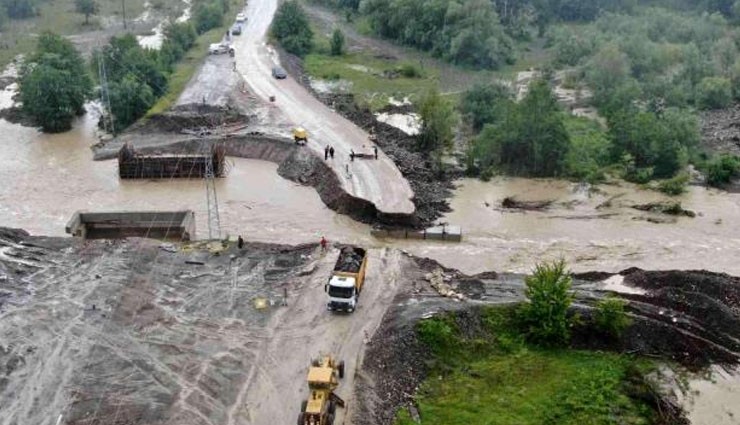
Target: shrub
438 334
409 71
714 93
674 186
722 169
545 315
337 43
611 318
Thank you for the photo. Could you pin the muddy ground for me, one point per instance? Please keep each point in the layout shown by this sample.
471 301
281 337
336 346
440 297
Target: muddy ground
138 332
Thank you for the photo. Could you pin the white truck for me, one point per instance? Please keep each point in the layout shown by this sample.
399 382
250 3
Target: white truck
345 283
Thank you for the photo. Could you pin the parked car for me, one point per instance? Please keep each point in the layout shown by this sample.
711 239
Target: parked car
279 73
236 29
219 48
240 17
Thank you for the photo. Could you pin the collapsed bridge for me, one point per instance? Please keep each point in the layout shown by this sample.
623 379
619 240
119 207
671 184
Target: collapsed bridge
133 165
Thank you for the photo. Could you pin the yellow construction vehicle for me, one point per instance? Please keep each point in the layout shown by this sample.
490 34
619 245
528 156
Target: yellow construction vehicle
323 379
300 135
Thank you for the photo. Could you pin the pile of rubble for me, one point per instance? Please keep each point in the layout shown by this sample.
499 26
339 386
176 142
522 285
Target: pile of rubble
441 283
350 260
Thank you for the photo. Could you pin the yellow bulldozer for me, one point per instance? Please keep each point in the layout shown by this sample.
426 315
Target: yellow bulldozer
323 378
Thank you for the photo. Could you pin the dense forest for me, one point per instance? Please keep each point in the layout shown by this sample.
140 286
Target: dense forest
649 68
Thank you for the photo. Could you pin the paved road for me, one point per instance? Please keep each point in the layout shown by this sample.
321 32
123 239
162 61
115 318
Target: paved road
380 182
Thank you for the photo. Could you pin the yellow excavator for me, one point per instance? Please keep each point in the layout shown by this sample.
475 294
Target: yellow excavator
300 135
323 378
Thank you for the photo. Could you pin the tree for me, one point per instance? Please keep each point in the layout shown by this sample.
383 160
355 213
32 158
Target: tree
291 28
608 69
531 139
54 84
87 8
337 42
437 120
486 104
714 93
207 16
545 314
129 99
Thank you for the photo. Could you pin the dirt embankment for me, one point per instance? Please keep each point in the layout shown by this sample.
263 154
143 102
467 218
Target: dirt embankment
432 186
721 131
689 317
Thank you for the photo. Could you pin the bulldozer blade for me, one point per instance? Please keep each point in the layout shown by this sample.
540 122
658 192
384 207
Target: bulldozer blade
338 400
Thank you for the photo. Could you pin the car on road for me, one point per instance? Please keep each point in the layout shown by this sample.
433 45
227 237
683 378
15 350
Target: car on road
240 17
279 73
219 48
236 29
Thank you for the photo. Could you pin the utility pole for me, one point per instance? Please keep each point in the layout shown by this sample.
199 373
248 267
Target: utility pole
108 124
123 6
214 221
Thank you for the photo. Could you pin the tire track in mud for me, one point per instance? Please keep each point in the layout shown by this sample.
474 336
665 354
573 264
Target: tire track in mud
304 330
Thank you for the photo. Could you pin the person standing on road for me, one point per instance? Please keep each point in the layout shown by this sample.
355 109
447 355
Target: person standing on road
323 244
331 152
326 152
240 242
352 155
375 149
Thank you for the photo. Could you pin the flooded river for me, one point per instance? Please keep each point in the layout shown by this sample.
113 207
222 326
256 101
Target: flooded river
46 178
586 230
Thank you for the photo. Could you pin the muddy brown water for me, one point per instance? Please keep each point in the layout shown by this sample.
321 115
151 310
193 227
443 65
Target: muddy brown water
48 177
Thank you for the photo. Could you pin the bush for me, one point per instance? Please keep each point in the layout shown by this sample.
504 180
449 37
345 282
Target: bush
208 16
409 71
610 317
438 334
437 121
714 93
337 43
722 169
674 186
545 315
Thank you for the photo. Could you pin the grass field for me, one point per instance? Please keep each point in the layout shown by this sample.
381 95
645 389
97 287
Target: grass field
60 17
503 381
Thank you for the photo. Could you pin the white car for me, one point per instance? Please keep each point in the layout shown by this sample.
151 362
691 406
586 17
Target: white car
219 48
241 18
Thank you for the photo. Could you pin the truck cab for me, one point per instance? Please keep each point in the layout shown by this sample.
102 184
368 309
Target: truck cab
342 293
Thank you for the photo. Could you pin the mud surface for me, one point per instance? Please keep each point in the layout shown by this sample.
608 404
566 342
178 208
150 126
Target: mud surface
134 332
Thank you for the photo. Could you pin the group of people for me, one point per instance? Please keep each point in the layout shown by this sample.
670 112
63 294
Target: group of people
328 152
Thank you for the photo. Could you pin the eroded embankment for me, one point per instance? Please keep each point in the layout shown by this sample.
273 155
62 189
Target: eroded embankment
295 163
688 317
